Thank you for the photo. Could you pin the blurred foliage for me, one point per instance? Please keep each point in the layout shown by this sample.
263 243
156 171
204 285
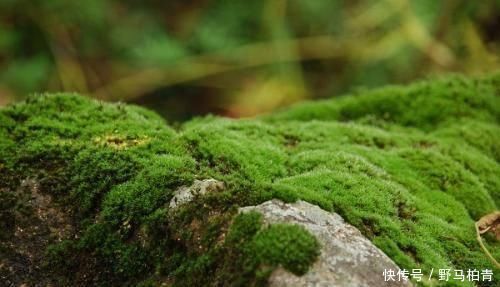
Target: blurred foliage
237 58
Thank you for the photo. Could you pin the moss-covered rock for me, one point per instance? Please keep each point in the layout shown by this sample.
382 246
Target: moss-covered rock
411 167
346 257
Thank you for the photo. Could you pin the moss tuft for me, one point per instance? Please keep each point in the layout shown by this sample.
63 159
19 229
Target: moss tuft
284 245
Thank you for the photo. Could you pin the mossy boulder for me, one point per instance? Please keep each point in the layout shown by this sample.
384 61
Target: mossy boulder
411 167
346 258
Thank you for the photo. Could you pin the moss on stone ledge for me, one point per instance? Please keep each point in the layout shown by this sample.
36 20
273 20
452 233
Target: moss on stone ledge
411 167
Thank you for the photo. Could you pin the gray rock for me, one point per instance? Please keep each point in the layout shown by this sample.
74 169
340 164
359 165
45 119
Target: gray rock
185 194
347 257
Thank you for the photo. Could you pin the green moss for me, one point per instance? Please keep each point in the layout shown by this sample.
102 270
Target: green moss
426 105
411 167
250 252
284 245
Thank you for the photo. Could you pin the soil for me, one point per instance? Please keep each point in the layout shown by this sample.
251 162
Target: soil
36 223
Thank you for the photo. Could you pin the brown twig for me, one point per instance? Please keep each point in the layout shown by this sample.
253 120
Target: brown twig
488 254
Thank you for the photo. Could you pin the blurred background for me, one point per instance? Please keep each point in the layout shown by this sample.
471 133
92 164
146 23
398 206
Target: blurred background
237 58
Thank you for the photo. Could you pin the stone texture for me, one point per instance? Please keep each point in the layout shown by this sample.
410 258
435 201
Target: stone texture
185 194
347 257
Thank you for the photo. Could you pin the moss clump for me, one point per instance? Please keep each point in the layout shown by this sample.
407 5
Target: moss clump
287 245
251 251
412 167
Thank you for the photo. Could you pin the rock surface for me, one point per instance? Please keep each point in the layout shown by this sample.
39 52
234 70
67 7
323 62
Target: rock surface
347 257
185 194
